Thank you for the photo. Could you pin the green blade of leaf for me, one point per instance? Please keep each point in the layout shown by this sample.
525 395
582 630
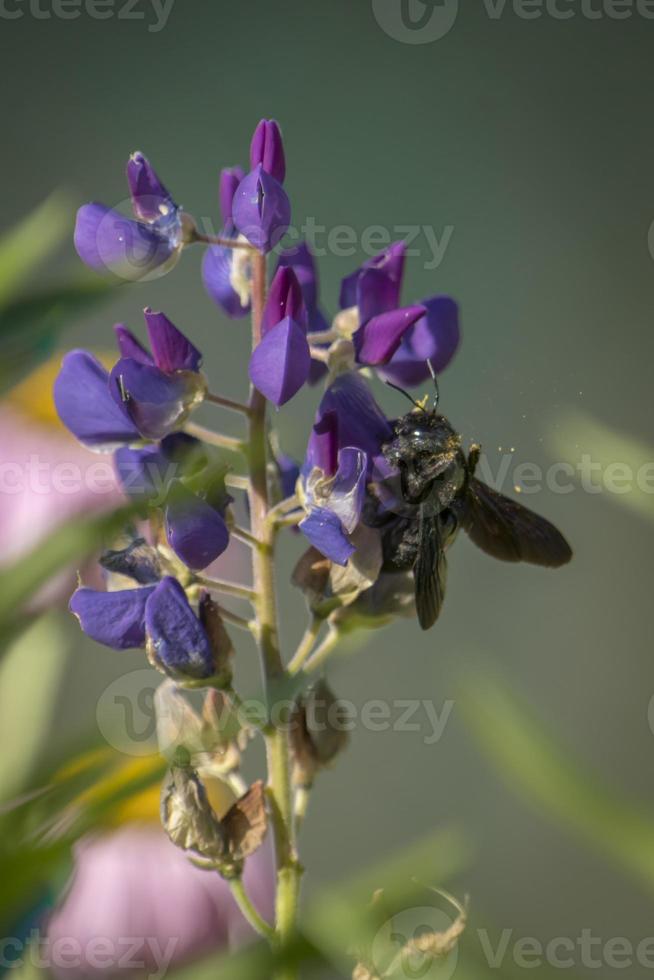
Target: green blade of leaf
545 773
30 242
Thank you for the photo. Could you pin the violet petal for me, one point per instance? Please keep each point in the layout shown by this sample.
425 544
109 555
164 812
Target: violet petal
325 532
349 488
179 642
129 346
150 199
267 149
85 405
116 619
196 532
261 209
284 299
230 178
376 341
107 241
279 365
172 351
157 403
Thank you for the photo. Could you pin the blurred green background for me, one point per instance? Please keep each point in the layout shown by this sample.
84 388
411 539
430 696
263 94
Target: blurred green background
532 140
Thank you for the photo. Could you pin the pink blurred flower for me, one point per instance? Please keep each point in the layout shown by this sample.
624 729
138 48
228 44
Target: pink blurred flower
136 904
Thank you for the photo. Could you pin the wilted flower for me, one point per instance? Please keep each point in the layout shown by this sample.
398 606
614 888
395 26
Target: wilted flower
317 732
144 397
131 249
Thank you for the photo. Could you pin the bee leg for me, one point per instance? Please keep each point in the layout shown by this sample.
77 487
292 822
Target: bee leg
473 457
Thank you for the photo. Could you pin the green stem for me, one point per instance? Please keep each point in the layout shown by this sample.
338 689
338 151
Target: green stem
277 744
214 438
246 906
323 651
227 403
305 646
226 588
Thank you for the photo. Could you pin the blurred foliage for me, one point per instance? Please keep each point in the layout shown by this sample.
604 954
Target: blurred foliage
31 321
545 773
578 433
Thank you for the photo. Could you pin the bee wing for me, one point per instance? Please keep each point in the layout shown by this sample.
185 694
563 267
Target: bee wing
429 571
246 822
506 530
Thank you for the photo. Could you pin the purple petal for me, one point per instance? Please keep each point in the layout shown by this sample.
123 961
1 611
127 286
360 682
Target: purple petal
375 286
267 149
301 260
261 209
150 198
172 351
180 644
349 488
85 405
377 340
435 336
288 472
325 532
325 442
107 241
217 267
230 178
196 532
157 403
284 299
361 422
280 364
129 346
116 619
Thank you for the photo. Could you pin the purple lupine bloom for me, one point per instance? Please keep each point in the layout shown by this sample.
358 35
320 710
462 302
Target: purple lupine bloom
224 270
159 616
194 522
280 364
377 340
375 290
143 397
347 436
261 209
267 149
301 260
145 248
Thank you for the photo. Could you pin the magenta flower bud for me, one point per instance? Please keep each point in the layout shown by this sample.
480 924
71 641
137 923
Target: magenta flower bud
230 178
284 299
267 149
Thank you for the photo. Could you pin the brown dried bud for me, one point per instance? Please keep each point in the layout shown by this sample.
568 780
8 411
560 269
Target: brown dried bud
317 732
191 823
221 643
311 576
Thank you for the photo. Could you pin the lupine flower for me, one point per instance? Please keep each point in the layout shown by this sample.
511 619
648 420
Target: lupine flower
145 248
260 207
165 475
346 439
374 290
225 271
144 397
302 262
280 364
158 617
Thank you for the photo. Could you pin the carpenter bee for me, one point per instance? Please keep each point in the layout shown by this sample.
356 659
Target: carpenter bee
440 494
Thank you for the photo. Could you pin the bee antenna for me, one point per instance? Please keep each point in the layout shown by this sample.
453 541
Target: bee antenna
435 380
406 395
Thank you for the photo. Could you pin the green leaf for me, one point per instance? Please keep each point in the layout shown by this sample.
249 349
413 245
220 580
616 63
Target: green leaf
68 545
30 242
30 326
545 773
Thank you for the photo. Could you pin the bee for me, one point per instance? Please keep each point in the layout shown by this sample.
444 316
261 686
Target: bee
439 495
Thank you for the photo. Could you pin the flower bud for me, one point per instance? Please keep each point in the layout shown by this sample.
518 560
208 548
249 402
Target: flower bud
267 149
261 209
150 199
230 178
284 299
317 734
